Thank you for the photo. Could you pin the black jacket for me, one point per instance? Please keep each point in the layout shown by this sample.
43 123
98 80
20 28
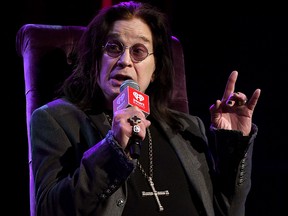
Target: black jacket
78 172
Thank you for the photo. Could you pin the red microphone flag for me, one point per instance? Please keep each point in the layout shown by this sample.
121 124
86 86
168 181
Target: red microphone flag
132 97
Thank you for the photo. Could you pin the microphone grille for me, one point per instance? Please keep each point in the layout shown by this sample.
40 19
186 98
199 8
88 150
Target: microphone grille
130 83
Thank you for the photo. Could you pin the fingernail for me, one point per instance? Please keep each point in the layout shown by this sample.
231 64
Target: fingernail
229 102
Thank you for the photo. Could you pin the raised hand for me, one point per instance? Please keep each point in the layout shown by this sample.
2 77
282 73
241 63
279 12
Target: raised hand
234 111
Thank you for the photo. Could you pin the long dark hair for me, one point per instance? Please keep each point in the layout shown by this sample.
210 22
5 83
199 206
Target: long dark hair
81 87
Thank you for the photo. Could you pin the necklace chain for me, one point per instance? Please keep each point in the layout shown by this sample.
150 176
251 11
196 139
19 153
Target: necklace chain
149 178
150 153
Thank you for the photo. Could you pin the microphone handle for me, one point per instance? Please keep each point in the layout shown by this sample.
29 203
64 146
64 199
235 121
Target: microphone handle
135 146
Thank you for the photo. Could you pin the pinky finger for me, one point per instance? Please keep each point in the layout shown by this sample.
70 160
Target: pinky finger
254 99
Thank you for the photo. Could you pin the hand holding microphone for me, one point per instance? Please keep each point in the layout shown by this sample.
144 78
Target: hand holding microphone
131 96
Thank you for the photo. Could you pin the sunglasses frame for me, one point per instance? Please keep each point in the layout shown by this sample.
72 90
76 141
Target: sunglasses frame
116 55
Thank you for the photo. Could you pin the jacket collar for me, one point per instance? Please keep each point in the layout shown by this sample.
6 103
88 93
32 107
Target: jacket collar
190 162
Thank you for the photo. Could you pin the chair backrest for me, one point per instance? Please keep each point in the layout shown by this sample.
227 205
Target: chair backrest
46 52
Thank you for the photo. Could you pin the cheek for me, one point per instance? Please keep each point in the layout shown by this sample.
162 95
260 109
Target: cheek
105 68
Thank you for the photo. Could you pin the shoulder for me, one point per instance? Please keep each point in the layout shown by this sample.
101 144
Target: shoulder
59 107
60 103
192 127
187 119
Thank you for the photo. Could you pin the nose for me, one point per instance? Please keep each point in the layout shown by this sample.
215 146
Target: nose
125 58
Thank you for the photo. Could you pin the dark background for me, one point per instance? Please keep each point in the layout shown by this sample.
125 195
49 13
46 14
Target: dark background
215 42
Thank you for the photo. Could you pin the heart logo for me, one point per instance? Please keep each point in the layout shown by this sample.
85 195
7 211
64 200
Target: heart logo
138 97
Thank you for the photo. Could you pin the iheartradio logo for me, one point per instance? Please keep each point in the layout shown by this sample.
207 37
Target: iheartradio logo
132 97
138 97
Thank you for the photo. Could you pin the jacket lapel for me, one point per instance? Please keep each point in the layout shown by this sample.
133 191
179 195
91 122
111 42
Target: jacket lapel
191 165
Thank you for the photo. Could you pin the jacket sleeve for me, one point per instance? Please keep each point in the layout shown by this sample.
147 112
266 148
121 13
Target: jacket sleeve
73 175
233 164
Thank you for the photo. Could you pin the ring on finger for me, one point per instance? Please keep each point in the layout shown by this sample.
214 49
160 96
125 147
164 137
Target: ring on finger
134 120
241 103
136 129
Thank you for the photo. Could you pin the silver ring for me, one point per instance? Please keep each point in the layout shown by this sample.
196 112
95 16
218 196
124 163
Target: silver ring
136 129
134 120
241 103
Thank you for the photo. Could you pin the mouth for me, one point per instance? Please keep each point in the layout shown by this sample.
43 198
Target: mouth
118 79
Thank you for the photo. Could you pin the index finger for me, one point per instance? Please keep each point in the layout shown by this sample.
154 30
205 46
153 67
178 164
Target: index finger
230 85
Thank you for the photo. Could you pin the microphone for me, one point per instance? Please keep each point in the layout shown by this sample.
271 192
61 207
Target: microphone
130 95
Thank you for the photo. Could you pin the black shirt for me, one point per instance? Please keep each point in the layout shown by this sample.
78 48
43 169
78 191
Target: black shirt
168 174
